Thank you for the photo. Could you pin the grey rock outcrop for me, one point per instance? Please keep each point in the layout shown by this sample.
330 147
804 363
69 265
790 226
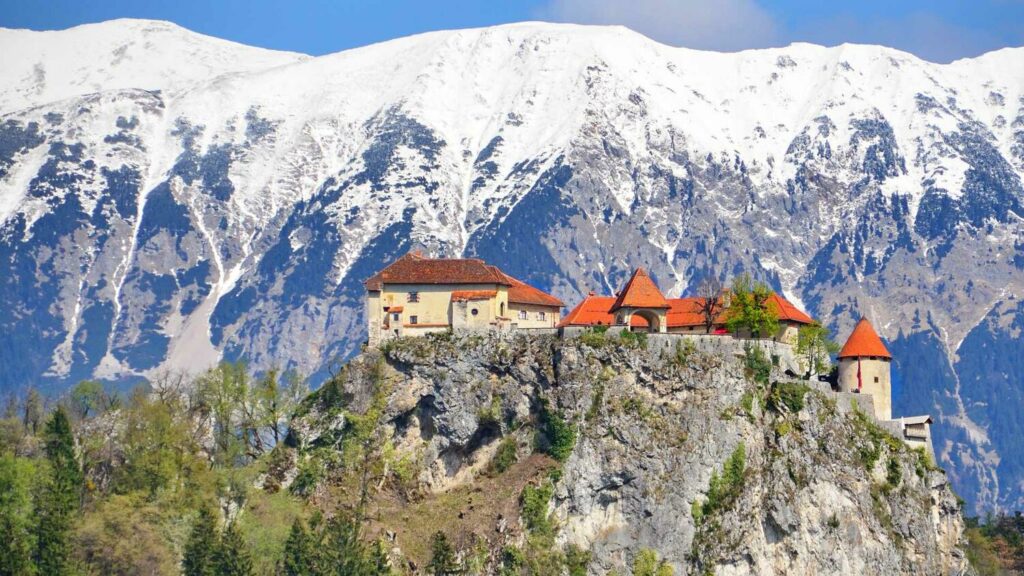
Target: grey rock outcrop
823 489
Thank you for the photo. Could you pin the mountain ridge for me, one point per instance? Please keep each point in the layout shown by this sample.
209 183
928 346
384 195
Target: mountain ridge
236 214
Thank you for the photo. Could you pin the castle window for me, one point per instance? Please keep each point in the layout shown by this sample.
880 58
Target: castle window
876 379
540 316
414 296
523 315
474 311
395 316
414 319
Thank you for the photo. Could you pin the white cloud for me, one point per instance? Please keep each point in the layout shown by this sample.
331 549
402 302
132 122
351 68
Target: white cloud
712 25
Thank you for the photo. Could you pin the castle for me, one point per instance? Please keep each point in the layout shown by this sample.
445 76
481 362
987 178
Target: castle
416 295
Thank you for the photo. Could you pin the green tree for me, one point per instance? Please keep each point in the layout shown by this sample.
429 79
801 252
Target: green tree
273 398
16 535
749 309
814 347
201 550
59 498
342 553
232 557
442 560
32 415
157 446
299 559
87 398
224 392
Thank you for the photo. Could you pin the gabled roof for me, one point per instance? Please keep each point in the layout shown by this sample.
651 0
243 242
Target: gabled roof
916 419
864 341
682 312
686 312
640 292
786 311
520 292
415 268
599 311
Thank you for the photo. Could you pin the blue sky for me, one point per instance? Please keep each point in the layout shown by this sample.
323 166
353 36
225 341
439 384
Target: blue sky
938 30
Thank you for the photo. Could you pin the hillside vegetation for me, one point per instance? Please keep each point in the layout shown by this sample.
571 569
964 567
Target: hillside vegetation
478 454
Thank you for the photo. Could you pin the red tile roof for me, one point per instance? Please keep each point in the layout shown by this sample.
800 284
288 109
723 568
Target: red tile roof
682 312
520 292
786 311
864 341
415 268
592 311
468 295
686 312
640 292
392 309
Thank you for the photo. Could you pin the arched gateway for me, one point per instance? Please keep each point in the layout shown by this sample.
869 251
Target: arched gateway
641 297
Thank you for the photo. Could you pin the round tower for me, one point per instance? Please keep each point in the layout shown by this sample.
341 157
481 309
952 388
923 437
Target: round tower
864 366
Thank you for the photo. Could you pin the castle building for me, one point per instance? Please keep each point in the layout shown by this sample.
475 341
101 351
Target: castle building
642 306
864 367
415 295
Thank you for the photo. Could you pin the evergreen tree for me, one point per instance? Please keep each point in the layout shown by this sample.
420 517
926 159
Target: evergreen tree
201 550
343 553
298 552
232 557
59 499
442 562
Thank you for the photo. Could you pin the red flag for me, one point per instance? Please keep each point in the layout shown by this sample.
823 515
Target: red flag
859 382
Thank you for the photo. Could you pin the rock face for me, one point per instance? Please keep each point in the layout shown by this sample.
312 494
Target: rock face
169 199
817 487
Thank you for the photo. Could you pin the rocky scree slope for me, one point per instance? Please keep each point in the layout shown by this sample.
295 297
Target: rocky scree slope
680 452
169 199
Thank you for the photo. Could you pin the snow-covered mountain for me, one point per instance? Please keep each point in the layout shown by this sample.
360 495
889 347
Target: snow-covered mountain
168 199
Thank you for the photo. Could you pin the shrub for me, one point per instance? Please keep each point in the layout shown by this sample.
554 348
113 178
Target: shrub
534 508
505 456
632 339
576 560
723 490
747 403
595 403
560 435
893 473
782 428
489 417
595 337
646 563
684 351
512 561
924 463
758 365
789 395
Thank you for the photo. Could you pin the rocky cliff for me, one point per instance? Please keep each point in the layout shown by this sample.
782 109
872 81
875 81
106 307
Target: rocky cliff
606 452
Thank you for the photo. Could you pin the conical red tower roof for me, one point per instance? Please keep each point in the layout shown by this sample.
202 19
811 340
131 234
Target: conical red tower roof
864 341
640 292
